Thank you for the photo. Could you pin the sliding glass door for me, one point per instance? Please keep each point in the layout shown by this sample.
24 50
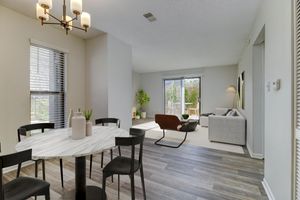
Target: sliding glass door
173 97
182 96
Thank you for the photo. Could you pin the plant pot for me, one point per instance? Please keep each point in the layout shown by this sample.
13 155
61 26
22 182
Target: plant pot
89 128
137 117
78 126
143 115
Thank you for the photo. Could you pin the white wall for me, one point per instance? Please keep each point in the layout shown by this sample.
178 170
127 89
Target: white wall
215 80
15 32
135 86
119 81
109 78
276 16
96 76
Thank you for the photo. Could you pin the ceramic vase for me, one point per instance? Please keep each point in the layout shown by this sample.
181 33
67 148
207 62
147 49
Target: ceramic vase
89 126
78 126
71 114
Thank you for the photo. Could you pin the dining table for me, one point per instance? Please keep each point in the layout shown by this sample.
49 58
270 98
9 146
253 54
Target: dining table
58 144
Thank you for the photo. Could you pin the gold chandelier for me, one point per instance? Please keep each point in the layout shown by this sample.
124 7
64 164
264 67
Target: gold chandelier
42 13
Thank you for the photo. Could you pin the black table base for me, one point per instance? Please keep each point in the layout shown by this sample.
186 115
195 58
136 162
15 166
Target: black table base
83 192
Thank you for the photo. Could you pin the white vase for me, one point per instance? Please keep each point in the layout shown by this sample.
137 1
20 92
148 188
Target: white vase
143 115
71 114
89 127
78 126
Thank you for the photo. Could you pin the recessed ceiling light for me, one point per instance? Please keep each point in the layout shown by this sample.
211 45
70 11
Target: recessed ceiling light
150 17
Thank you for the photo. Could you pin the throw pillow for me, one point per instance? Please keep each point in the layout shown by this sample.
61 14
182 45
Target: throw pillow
235 114
225 114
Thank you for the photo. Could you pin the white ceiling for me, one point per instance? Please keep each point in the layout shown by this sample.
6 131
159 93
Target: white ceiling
187 33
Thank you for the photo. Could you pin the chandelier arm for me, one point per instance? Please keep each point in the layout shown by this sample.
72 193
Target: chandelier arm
52 23
79 28
75 18
54 17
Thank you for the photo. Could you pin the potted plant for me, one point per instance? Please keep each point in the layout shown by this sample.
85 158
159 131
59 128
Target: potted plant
142 99
89 124
138 115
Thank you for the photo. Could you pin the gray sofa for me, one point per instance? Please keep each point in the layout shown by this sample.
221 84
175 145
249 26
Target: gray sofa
227 129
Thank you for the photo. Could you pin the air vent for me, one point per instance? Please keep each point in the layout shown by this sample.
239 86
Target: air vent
150 17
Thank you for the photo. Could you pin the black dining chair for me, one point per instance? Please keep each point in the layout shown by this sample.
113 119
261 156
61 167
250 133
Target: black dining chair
103 121
22 131
127 166
23 187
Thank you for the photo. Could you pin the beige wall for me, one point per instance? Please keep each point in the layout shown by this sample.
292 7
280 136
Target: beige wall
136 80
109 78
15 34
119 81
96 76
276 17
214 81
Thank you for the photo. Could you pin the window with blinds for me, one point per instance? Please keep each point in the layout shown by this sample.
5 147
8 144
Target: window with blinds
297 100
47 85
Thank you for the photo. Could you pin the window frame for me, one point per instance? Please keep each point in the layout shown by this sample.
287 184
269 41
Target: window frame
63 91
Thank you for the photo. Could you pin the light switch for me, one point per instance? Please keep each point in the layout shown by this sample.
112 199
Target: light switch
277 85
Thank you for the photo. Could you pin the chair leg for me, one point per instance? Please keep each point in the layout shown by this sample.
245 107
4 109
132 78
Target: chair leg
91 163
132 186
102 155
43 166
111 158
143 181
36 168
164 145
103 186
119 148
111 154
61 172
118 186
19 169
47 195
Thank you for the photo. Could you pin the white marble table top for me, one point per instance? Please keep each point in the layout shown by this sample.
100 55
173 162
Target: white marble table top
58 143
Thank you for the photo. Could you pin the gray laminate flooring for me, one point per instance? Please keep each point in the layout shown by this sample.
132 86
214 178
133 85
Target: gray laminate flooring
187 173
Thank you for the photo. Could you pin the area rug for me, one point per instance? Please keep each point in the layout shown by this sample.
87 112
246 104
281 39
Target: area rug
197 138
147 126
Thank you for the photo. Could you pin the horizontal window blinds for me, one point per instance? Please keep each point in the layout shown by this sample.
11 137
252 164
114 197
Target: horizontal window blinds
47 86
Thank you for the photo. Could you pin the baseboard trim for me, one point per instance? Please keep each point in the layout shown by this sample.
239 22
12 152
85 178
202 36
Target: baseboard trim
254 155
268 189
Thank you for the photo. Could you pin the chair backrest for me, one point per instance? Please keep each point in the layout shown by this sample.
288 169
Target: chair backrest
169 122
22 131
10 160
137 138
104 121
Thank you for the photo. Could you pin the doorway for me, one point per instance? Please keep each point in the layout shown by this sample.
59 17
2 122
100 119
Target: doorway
259 95
182 96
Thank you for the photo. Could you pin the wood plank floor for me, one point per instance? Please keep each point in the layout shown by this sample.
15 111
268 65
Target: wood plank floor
187 173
